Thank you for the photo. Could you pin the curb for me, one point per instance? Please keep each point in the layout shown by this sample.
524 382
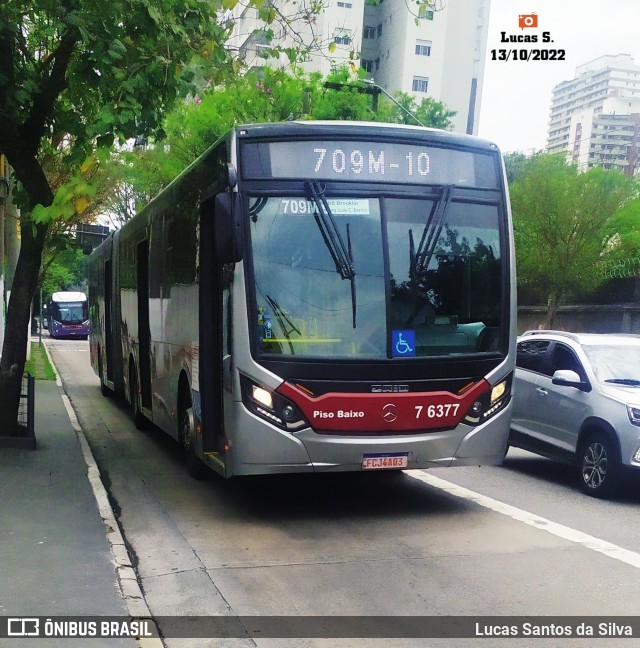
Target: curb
125 572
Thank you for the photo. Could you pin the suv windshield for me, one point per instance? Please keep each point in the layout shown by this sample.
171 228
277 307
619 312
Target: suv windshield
427 273
615 364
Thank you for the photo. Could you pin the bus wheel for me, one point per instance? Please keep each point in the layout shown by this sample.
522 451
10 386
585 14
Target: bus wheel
187 439
134 399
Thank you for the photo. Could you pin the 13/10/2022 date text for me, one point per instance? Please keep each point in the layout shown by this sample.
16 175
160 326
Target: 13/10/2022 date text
528 55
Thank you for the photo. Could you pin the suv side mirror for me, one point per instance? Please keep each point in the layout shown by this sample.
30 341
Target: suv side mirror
569 378
228 230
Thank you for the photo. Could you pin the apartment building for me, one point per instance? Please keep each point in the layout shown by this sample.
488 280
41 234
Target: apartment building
340 23
437 53
595 117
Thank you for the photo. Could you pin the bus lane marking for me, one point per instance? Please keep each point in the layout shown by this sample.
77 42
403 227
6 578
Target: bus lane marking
560 530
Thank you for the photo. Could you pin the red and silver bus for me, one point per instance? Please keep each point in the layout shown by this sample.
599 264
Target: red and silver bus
317 296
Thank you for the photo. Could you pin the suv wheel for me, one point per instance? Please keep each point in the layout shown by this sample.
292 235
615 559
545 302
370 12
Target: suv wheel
599 466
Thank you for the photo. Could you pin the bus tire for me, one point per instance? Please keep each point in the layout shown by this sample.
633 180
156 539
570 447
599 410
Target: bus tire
134 399
187 438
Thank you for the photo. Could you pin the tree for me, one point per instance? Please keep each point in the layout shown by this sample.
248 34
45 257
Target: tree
75 75
562 222
428 112
518 164
64 266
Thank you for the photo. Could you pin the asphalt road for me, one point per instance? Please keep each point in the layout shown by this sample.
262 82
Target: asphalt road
520 539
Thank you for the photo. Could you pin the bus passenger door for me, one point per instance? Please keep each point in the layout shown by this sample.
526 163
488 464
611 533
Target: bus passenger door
108 327
212 349
144 330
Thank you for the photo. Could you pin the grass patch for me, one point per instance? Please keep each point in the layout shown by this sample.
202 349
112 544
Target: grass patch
38 365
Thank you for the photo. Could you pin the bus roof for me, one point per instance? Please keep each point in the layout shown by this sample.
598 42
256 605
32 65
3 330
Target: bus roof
351 129
68 297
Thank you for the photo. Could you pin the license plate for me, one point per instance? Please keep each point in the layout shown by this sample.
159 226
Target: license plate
384 461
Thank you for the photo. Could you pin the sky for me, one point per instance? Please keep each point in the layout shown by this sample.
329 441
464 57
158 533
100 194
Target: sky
516 95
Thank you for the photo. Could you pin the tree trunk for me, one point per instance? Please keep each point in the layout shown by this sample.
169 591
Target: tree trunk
553 304
18 328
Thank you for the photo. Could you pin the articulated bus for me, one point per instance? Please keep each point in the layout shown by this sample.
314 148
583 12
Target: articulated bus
68 315
317 296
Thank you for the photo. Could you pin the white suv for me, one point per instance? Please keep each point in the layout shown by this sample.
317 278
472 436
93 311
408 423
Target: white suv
577 399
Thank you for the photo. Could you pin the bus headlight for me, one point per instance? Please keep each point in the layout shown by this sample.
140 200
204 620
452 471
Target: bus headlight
271 406
490 403
498 391
262 396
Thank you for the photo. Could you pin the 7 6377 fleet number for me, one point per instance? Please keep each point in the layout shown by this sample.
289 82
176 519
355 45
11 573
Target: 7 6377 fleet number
437 411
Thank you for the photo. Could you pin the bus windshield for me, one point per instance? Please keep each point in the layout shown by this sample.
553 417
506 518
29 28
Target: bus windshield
69 312
427 273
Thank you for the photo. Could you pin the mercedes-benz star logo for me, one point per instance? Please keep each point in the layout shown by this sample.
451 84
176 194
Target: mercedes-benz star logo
390 413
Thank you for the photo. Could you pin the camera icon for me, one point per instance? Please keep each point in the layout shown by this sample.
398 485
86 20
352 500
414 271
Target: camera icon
526 21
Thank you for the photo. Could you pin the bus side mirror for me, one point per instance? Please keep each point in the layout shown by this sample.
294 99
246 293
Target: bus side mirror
228 233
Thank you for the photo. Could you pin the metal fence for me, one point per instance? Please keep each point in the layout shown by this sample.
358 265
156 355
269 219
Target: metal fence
26 408
623 268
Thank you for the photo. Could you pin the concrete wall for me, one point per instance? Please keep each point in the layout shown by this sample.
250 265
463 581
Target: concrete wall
613 318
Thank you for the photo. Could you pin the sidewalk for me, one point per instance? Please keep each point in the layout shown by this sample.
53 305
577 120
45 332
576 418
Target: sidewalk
55 558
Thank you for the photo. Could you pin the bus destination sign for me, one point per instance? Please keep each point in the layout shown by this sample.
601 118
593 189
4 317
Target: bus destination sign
368 162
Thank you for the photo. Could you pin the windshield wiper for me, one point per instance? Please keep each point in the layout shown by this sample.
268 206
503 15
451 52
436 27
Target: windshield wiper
342 255
624 381
283 320
431 233
419 259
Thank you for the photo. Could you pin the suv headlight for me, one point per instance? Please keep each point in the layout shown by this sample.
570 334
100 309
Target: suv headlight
634 414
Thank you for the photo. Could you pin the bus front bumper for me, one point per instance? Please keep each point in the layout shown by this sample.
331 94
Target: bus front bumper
265 449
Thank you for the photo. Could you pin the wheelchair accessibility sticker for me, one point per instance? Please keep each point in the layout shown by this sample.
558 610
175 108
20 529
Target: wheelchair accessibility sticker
403 343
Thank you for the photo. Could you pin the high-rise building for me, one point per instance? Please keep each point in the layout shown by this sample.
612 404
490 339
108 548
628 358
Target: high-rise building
595 117
427 53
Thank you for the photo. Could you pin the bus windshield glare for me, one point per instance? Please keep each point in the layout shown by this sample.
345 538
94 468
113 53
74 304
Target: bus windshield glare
69 313
427 272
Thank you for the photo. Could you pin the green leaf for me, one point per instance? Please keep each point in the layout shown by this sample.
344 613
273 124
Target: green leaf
155 14
267 14
40 214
